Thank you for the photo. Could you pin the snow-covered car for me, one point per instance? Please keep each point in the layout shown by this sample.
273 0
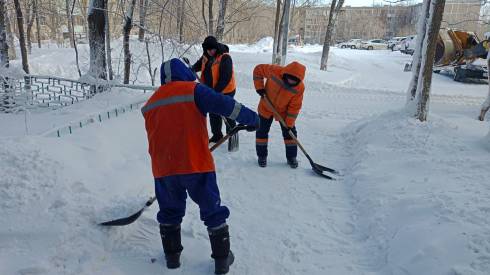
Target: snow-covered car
351 44
408 45
394 41
398 46
374 44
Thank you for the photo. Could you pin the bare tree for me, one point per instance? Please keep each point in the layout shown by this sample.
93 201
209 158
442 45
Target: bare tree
96 26
486 105
35 10
10 38
332 20
181 19
128 25
220 28
417 57
4 52
427 53
277 35
108 42
29 8
285 31
210 18
69 22
143 5
22 39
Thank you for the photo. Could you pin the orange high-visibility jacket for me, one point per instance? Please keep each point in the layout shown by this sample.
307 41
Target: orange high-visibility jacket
177 131
215 72
287 100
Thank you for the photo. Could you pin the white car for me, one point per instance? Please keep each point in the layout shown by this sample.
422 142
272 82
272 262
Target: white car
398 46
408 45
351 44
395 41
374 44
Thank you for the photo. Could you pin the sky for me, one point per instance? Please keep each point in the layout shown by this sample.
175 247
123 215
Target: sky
358 3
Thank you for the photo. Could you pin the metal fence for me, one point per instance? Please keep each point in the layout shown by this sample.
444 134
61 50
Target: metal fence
35 91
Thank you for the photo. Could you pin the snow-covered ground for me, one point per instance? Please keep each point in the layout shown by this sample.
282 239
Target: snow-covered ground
414 198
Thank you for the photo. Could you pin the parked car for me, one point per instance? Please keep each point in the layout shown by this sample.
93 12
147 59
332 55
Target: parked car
398 46
408 45
351 44
394 41
374 44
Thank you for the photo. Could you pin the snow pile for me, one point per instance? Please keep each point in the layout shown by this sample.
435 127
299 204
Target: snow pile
418 190
263 45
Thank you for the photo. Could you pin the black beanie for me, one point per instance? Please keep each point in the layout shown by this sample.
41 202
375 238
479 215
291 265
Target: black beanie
210 42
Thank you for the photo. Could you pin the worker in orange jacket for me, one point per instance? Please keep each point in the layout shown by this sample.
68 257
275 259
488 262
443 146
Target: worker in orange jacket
283 85
216 67
175 121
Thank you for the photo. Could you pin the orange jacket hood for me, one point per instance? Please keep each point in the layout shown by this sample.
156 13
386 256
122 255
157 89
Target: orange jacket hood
296 69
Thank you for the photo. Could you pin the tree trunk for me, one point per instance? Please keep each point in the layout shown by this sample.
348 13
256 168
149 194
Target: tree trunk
210 18
69 23
203 4
277 36
180 19
108 43
4 48
486 105
220 28
75 47
425 80
22 40
285 31
329 33
417 57
328 37
96 25
38 26
128 25
10 38
143 8
30 23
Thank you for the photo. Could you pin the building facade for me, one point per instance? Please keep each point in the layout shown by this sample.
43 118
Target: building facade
387 21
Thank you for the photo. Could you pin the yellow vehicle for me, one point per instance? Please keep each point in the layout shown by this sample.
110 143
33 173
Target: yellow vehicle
457 52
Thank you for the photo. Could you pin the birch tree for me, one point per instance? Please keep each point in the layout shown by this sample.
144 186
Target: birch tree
220 28
96 30
128 25
35 9
108 43
426 53
22 39
332 20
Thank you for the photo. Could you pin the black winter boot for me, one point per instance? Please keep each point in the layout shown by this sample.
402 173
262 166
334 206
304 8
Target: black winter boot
220 246
293 163
262 161
172 246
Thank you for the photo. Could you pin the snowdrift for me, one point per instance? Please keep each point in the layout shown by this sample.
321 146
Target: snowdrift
418 208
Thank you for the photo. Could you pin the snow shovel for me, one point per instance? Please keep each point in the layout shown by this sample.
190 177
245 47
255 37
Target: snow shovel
233 142
317 168
135 216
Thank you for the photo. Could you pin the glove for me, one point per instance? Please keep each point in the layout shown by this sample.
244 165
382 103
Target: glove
253 128
261 92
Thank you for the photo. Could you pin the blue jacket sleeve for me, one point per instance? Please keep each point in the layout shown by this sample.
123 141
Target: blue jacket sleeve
210 101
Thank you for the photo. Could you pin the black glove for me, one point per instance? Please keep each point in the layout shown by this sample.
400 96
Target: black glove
261 92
